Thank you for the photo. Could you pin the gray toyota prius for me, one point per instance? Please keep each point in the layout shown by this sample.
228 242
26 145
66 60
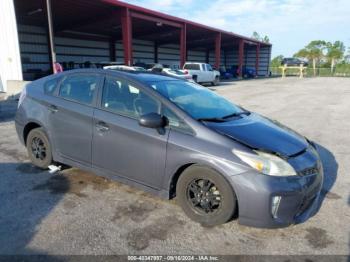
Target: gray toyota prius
172 138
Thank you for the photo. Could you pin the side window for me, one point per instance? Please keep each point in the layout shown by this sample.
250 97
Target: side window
123 98
175 122
80 88
209 68
50 86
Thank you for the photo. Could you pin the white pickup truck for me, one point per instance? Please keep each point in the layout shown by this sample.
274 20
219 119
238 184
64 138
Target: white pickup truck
202 73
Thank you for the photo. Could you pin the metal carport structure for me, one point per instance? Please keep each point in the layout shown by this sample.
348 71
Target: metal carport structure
118 31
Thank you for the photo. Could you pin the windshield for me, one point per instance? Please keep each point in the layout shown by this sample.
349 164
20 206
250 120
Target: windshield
196 100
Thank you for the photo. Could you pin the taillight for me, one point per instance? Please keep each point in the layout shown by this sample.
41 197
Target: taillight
186 72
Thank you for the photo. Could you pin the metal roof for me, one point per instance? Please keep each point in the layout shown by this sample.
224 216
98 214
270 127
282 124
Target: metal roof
180 20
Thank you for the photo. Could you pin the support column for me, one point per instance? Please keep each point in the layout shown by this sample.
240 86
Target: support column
240 57
155 52
257 59
217 51
52 52
207 53
112 52
127 36
183 50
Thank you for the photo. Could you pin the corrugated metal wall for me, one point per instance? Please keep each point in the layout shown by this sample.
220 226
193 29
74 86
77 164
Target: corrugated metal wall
35 57
169 55
80 51
34 51
264 61
10 62
250 58
231 58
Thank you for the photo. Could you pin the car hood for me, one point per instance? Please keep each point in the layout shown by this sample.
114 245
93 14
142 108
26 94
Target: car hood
261 133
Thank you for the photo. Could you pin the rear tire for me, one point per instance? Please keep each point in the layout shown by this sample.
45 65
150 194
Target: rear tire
39 148
195 79
205 196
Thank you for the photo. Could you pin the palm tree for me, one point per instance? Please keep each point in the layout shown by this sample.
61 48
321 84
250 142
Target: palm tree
313 51
257 36
335 52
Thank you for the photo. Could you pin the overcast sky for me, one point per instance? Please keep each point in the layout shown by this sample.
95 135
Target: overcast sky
290 24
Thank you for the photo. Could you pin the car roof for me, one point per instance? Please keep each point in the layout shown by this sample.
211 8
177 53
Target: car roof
197 63
141 76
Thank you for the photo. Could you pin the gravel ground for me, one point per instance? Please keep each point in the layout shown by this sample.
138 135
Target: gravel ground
76 212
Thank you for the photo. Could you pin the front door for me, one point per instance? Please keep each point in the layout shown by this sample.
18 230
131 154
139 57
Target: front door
71 116
120 144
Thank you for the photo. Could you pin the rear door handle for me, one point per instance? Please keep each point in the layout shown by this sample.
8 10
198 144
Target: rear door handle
102 126
53 108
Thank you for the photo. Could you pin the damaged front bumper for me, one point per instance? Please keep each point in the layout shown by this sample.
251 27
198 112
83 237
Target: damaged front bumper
273 202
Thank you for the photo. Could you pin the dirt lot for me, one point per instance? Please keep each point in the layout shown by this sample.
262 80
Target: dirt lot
78 213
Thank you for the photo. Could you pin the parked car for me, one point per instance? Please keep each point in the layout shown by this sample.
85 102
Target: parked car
247 72
292 61
173 138
202 73
177 73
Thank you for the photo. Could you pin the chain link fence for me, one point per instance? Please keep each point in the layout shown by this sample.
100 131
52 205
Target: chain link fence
309 72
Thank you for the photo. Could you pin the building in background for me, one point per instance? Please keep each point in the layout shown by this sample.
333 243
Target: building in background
10 61
86 33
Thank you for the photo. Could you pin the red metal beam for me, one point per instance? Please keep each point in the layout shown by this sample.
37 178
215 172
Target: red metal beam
217 51
240 57
127 36
257 59
183 51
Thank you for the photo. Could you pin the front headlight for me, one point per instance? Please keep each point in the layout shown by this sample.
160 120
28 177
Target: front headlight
266 163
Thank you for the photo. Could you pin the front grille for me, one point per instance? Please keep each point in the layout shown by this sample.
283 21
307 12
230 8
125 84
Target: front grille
309 171
305 205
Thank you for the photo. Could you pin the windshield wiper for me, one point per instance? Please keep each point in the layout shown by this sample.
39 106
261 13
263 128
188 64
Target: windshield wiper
223 119
211 119
236 114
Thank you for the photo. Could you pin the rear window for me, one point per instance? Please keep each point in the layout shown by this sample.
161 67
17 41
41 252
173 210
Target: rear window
192 66
79 88
50 86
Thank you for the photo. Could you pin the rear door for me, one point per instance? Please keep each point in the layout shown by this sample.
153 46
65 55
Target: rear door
120 144
71 116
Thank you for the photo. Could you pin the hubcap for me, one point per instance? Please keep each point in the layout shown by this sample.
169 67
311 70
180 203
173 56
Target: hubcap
204 196
38 148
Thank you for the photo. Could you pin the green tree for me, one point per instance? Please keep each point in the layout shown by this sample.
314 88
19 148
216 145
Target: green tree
257 36
266 39
313 52
335 52
347 57
276 61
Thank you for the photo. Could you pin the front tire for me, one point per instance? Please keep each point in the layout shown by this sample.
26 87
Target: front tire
216 81
205 196
39 148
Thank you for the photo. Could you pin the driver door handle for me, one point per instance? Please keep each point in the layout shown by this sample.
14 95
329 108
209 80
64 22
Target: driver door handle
102 126
53 108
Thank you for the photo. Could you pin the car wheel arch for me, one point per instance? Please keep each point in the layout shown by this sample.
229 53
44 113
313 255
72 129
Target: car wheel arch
29 127
32 124
208 166
181 169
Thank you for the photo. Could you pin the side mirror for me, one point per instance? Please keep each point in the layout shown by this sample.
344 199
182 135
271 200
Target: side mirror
152 120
